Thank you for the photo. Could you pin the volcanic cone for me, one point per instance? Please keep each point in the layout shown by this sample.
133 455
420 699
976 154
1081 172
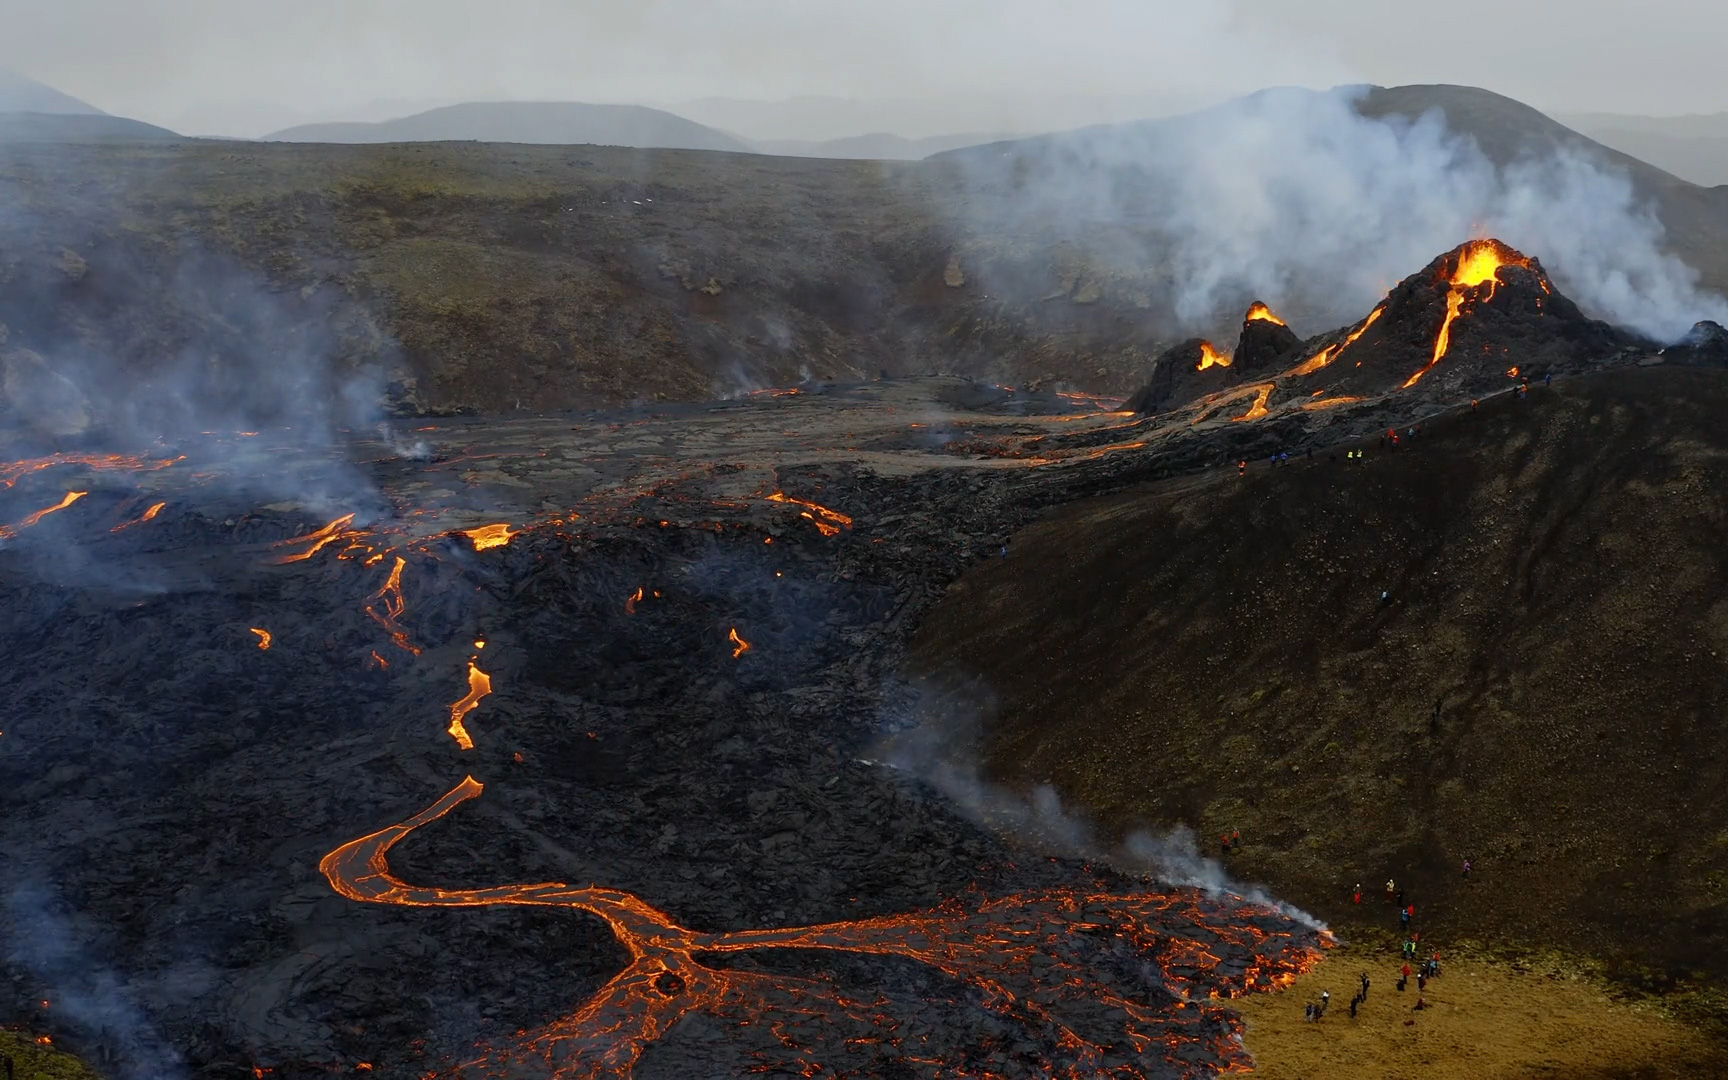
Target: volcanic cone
1180 375
1475 316
1264 343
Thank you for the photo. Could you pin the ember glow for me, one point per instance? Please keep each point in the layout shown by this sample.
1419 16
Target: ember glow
1479 264
9 531
264 639
1261 313
739 645
632 600
1210 357
1027 958
479 685
489 536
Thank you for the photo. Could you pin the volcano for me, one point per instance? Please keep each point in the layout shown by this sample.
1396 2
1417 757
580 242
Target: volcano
1470 320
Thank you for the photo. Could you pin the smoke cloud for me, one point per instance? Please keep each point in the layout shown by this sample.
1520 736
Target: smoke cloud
940 750
1295 197
39 937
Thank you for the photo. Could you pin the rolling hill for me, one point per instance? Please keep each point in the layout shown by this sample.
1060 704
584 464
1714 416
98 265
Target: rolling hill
489 276
549 123
1265 654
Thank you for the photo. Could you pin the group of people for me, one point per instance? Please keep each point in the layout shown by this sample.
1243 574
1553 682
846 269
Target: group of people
1427 969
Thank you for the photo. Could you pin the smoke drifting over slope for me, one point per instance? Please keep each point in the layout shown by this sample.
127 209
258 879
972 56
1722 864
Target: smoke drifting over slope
1296 198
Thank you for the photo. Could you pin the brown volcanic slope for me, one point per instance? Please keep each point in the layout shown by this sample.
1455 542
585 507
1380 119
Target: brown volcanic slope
1214 651
485 276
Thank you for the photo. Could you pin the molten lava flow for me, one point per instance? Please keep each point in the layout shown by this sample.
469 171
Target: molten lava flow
1261 313
148 515
631 601
1478 264
1332 352
378 661
1262 394
10 472
9 531
739 645
479 685
318 539
388 605
1328 403
264 639
1210 357
828 522
489 536
1033 960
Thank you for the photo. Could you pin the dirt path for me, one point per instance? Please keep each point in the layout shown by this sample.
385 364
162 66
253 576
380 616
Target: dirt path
1486 1021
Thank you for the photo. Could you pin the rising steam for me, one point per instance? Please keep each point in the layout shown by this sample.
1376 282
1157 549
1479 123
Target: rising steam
1296 198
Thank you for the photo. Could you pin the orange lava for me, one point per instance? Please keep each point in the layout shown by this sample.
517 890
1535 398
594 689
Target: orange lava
8 531
1332 352
489 536
1015 954
828 522
631 601
264 639
388 605
319 539
739 645
1262 394
1261 313
1210 357
1478 265
10 472
148 515
1328 403
479 685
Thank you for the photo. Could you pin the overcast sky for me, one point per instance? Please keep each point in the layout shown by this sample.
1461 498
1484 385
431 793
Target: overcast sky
248 66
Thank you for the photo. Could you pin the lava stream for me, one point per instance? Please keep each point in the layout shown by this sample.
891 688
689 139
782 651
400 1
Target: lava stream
1479 264
388 605
479 685
148 515
319 539
1332 352
739 645
264 639
828 522
1027 958
9 531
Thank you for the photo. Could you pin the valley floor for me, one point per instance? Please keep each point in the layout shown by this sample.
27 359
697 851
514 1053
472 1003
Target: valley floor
1485 1020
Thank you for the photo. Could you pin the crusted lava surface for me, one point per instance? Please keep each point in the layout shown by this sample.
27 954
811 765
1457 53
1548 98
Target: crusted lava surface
242 832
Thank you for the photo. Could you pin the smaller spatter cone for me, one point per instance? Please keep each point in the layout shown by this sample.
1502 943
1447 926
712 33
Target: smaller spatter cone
1473 318
1265 347
1706 344
1181 374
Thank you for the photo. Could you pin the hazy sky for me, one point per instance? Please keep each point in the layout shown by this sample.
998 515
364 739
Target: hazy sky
247 66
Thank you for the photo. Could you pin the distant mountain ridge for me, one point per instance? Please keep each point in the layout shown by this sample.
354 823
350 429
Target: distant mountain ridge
541 123
19 94
878 146
1694 148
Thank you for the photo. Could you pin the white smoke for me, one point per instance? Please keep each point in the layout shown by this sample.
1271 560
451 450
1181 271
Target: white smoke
940 751
1294 197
